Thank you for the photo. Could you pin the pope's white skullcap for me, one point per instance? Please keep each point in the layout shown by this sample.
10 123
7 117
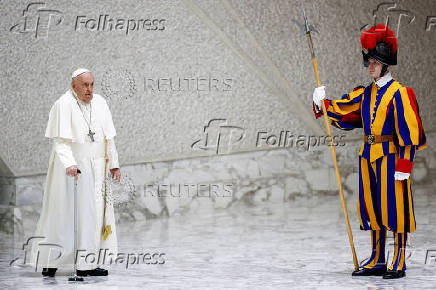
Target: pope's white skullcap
79 71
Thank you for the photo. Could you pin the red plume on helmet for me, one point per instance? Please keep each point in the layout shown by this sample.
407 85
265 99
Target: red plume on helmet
379 43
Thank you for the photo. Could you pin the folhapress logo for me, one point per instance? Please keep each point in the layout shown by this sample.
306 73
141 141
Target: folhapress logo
392 16
37 19
218 136
107 23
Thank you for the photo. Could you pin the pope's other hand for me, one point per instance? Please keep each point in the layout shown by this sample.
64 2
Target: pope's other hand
116 174
72 171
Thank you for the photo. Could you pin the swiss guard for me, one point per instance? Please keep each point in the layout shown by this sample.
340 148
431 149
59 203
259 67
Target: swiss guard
389 115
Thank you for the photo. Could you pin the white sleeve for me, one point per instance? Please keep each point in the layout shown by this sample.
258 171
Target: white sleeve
63 150
112 154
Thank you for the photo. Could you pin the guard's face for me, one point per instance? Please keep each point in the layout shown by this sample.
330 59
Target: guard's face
83 85
374 68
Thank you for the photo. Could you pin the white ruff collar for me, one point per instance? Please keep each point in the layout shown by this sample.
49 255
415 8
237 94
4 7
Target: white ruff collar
384 80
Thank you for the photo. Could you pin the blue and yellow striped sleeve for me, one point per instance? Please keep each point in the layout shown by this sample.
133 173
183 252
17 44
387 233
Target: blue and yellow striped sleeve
408 128
345 113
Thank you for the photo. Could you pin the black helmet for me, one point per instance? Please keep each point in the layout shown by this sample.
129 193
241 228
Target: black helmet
379 43
381 53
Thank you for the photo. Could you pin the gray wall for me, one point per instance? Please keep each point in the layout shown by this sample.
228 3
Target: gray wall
251 50
243 67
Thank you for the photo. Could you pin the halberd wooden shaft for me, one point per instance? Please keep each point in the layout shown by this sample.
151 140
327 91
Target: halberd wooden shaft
333 153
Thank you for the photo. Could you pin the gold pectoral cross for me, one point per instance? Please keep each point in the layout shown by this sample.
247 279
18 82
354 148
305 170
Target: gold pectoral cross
91 135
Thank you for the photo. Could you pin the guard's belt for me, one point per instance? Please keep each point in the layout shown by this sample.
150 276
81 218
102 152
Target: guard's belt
372 139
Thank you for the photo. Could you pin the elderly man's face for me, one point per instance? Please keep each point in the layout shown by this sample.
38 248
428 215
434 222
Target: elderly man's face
83 85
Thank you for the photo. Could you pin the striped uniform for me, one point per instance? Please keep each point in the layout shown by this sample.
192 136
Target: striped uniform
383 203
377 259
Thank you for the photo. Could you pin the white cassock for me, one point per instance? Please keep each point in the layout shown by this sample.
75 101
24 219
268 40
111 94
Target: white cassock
68 129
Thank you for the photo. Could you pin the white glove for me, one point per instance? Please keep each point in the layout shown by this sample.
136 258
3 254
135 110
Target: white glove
401 175
318 96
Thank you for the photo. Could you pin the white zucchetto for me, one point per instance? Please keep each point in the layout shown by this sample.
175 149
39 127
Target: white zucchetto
79 71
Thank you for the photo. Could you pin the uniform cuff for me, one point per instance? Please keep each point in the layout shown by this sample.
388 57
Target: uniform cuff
404 165
318 113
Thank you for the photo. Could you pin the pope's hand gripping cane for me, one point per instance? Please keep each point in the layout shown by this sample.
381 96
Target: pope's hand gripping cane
308 29
74 277
107 230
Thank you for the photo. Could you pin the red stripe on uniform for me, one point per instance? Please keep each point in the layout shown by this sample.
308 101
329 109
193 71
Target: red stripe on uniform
414 104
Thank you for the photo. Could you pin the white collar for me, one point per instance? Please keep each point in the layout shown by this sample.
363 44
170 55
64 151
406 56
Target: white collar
384 80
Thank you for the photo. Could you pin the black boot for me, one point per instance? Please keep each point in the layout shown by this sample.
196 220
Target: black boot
390 274
379 271
49 272
95 272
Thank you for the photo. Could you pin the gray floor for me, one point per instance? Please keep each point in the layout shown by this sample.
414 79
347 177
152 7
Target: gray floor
298 244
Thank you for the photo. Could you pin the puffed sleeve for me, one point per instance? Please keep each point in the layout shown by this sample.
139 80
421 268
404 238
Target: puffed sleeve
59 121
108 124
63 150
344 113
112 154
408 128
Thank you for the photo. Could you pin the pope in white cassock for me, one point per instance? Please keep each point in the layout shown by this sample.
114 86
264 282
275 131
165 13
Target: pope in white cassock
81 128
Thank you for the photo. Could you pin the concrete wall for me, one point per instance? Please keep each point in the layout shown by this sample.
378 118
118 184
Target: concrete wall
242 61
239 70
